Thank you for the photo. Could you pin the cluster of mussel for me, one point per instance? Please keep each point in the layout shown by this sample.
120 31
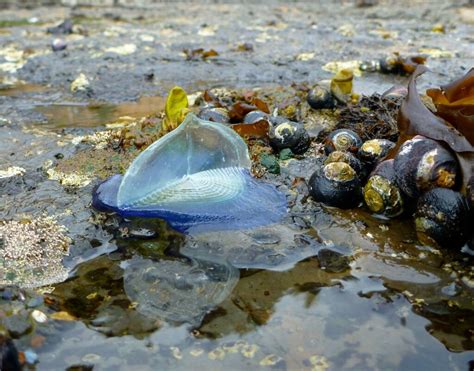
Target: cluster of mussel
422 178
282 132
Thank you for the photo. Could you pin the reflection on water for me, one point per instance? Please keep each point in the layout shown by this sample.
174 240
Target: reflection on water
92 115
20 88
176 290
395 307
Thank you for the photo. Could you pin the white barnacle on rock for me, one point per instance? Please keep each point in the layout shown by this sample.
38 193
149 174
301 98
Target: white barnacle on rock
32 251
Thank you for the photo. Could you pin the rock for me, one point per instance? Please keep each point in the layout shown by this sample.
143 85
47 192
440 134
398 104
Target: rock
270 163
58 45
18 324
332 261
286 154
63 28
80 84
30 357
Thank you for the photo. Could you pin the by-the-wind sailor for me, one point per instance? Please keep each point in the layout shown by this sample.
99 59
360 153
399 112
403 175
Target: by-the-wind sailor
178 291
196 177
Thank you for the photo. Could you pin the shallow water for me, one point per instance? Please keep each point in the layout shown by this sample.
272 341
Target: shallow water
66 115
388 307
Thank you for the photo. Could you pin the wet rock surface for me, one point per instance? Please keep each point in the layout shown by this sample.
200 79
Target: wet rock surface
326 289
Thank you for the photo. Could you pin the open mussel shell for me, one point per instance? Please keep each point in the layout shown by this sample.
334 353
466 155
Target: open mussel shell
342 140
320 97
336 184
196 177
443 216
470 191
288 134
422 164
347 157
381 193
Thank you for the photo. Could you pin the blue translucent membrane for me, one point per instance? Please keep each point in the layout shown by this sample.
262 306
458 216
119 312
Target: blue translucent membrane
196 177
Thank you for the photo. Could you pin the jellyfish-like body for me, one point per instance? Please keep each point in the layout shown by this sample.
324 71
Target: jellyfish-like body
196 177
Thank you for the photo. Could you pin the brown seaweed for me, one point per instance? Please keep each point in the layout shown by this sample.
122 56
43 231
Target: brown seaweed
455 103
415 119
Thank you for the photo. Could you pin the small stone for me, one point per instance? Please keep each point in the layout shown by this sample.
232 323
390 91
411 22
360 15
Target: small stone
332 261
451 290
39 316
81 83
58 45
64 28
30 357
35 302
8 294
286 154
63 316
270 162
17 325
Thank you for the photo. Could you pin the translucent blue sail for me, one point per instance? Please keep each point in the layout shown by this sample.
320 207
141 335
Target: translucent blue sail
197 178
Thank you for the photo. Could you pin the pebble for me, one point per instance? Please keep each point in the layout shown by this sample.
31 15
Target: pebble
58 45
17 325
332 261
270 162
35 302
30 356
39 316
286 154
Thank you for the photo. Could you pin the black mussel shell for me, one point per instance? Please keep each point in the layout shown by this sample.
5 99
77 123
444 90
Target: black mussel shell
336 184
347 157
443 216
342 140
381 193
321 97
422 164
255 116
390 65
374 150
215 114
288 134
470 191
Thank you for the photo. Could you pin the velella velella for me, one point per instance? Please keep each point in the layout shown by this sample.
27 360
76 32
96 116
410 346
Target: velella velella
176 290
195 177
